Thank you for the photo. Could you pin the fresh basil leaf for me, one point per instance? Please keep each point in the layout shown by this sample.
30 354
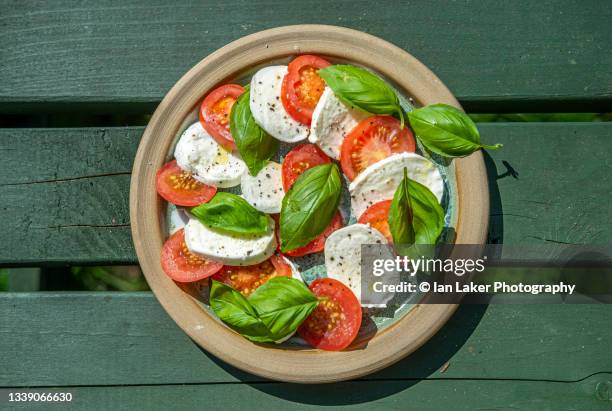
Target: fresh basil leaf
273 312
360 88
236 311
233 214
309 206
400 214
427 215
447 131
283 303
255 146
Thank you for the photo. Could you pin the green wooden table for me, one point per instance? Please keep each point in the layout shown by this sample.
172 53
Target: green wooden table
64 198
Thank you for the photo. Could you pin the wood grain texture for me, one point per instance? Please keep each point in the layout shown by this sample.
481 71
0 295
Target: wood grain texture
561 193
65 195
127 338
546 56
359 395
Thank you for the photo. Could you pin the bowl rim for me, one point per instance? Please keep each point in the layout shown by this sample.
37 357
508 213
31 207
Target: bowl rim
147 216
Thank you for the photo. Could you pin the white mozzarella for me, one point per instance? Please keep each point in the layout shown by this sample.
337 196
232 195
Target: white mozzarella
332 120
227 248
343 253
209 162
379 181
265 190
267 107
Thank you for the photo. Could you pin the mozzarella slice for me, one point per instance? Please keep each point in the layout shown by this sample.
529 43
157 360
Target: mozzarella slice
227 248
332 120
267 107
379 181
343 253
209 162
265 190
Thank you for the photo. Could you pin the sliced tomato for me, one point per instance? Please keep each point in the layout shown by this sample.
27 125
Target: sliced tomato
372 140
300 159
302 87
182 265
316 245
215 113
247 279
377 216
179 187
334 324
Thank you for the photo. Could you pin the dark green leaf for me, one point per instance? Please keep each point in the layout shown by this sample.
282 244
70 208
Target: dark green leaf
255 146
360 88
235 310
283 303
447 131
400 214
233 214
309 206
427 215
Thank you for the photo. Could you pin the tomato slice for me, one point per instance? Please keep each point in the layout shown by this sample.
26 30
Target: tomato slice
179 187
182 265
300 159
302 87
373 139
247 279
215 113
377 216
334 324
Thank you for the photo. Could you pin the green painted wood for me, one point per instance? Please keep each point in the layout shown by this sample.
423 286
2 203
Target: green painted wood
65 191
127 338
360 395
547 55
65 194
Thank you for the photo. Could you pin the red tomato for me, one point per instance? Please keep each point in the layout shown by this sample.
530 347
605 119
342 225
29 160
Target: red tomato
372 140
300 159
215 113
302 87
334 324
179 187
246 279
183 266
377 216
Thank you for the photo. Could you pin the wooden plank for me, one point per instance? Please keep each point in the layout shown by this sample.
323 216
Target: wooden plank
360 395
546 56
127 338
65 191
65 194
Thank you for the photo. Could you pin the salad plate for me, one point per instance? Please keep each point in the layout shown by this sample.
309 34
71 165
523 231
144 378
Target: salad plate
383 336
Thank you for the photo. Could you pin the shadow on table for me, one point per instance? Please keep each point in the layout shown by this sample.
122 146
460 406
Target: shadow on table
434 357
429 359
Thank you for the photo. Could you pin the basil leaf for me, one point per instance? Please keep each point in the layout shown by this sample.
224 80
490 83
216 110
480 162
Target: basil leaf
447 131
361 88
255 146
427 215
283 303
273 312
233 214
236 311
400 214
309 206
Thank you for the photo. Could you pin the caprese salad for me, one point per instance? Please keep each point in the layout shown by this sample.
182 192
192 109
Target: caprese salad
346 127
